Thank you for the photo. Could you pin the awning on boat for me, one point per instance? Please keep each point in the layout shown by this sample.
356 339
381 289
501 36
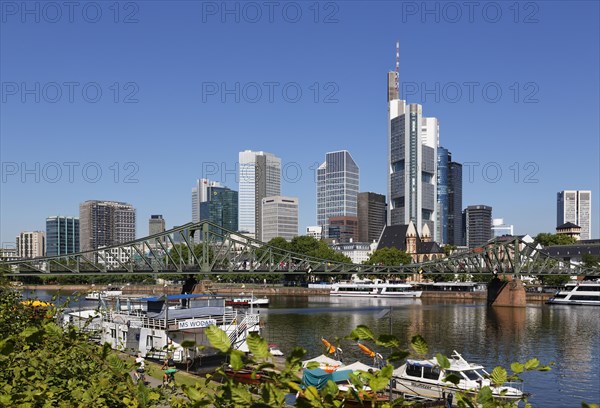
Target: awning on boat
322 359
359 366
189 313
318 378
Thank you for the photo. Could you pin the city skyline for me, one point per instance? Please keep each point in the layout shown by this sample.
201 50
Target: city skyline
504 144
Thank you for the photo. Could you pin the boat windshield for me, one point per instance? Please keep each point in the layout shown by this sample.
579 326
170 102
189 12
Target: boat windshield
472 375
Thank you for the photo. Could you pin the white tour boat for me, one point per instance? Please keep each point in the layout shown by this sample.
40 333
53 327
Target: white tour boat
103 294
160 325
425 378
374 288
578 293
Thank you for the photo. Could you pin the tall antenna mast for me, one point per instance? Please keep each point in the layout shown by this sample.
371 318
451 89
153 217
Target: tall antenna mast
398 68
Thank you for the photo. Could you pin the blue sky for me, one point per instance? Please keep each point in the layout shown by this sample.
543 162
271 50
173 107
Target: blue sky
157 94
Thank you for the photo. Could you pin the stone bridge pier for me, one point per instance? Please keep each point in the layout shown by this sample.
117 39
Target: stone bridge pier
509 292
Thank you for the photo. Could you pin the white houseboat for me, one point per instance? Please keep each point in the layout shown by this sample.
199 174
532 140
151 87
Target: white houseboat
578 293
425 378
166 322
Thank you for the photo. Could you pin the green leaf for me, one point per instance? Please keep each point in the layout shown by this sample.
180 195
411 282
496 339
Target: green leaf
7 346
387 340
257 345
517 368
193 394
532 364
31 334
453 378
485 396
311 393
419 345
330 389
218 338
241 395
498 376
584 405
442 360
362 333
398 355
236 359
294 386
379 383
188 343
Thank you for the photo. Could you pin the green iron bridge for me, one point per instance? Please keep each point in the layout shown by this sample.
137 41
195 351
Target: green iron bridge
225 252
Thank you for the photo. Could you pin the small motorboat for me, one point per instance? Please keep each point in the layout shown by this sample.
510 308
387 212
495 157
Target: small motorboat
425 378
274 350
247 375
247 301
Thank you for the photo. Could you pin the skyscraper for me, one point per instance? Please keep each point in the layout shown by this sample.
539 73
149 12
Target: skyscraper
455 220
62 235
575 206
31 244
443 161
221 208
260 177
156 224
337 188
372 216
343 229
279 218
105 223
412 162
478 225
199 196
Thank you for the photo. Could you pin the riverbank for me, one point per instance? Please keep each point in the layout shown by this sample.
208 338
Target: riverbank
261 290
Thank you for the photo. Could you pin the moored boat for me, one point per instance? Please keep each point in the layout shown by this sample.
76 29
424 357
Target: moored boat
425 378
169 322
247 301
578 293
103 294
374 288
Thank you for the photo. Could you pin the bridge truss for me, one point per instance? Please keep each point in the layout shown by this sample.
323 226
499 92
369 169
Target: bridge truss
205 248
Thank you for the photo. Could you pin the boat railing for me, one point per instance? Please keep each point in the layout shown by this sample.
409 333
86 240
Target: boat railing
518 385
237 331
140 320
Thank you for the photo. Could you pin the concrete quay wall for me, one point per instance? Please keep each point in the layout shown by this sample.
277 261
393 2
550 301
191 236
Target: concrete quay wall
263 291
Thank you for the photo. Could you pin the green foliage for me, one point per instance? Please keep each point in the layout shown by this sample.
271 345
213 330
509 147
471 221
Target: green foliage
546 239
389 257
448 249
590 261
44 365
554 280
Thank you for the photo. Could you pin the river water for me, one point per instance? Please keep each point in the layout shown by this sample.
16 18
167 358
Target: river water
569 336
